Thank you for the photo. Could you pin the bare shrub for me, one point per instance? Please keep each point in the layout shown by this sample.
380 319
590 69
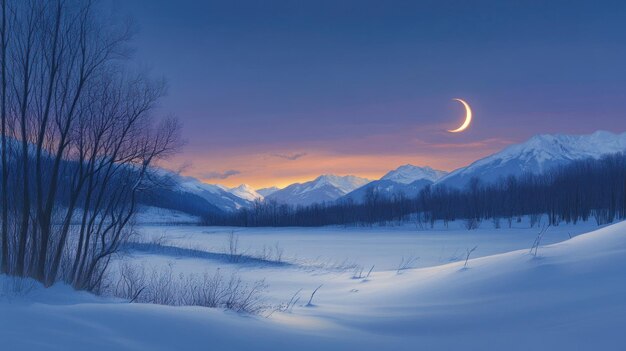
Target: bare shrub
472 223
369 273
468 253
278 251
163 287
273 254
537 242
358 272
233 247
310 303
406 263
287 306
131 282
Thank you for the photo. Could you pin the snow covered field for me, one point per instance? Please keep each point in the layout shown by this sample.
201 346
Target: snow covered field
569 296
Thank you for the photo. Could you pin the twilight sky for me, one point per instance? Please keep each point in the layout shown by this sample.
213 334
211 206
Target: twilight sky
273 92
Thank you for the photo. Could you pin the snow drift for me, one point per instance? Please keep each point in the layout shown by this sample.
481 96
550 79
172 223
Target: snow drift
569 296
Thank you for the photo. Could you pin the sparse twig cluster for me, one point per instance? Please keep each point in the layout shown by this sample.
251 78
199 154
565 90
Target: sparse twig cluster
537 242
310 303
358 273
271 253
468 253
406 263
162 286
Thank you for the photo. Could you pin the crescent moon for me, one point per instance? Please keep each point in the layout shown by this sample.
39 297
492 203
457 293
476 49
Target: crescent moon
468 117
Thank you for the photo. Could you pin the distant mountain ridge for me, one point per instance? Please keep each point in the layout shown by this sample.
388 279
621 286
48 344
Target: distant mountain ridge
407 180
218 195
537 155
324 188
408 174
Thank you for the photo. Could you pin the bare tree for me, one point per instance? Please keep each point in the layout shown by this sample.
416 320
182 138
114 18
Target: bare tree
87 139
4 255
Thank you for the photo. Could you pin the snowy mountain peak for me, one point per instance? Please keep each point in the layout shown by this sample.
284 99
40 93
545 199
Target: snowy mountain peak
408 174
538 154
246 192
327 187
343 183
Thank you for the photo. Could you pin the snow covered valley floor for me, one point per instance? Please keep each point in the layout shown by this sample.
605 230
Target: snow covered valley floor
570 295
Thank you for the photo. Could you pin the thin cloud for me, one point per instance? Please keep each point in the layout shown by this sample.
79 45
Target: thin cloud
290 157
220 175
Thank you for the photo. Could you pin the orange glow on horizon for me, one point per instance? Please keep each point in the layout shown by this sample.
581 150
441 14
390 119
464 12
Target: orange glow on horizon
264 170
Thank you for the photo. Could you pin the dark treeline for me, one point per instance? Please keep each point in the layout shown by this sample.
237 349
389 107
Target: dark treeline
582 190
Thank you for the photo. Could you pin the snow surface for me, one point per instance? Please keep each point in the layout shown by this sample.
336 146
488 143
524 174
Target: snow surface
537 155
570 296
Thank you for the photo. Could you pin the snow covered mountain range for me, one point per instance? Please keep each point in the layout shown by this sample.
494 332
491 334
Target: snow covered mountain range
220 196
408 174
538 154
324 188
407 180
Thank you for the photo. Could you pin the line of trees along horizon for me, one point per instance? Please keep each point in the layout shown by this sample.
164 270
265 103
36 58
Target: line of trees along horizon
78 139
579 191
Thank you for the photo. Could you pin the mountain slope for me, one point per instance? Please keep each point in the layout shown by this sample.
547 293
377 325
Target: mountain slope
408 174
324 188
387 188
407 180
537 155
217 195
267 191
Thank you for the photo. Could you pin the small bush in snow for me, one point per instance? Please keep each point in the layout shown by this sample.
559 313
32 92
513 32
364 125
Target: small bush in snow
468 253
163 287
537 242
233 246
310 303
406 263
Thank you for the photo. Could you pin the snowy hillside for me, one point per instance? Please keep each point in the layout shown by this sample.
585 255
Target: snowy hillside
327 187
408 174
538 154
569 296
